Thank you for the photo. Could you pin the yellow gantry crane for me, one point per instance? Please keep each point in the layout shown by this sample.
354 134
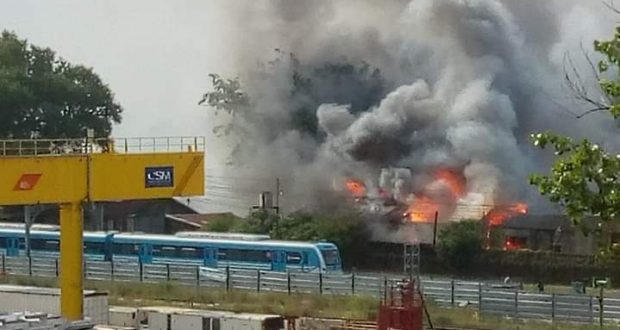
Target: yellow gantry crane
71 172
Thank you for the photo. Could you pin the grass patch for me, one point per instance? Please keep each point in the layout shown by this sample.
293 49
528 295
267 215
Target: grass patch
144 294
470 318
353 307
327 306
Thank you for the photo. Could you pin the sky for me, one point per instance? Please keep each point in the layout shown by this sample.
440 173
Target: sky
156 55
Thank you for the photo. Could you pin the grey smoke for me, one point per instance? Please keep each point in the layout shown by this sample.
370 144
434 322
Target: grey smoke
463 83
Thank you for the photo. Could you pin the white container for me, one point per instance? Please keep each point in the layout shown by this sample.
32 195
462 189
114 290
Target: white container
245 321
197 320
173 318
201 319
158 317
159 321
35 321
121 316
112 327
17 298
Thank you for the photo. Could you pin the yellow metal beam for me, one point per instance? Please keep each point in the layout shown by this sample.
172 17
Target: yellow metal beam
71 248
123 176
35 171
42 180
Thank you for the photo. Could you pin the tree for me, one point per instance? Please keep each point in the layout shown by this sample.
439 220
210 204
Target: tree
311 84
346 229
460 242
261 222
44 96
585 178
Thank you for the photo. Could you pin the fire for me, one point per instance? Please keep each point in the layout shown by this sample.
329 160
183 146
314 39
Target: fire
514 243
423 209
355 187
499 214
455 183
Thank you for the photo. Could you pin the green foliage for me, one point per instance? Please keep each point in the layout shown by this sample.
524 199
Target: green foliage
345 229
45 96
226 95
356 84
261 222
224 223
460 242
610 49
585 179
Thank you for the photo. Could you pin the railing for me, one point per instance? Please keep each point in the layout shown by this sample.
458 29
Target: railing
485 297
40 147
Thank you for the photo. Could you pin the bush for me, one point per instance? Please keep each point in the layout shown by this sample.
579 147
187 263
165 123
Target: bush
460 242
225 223
346 229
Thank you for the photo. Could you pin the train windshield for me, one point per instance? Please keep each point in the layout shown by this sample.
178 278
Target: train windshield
331 257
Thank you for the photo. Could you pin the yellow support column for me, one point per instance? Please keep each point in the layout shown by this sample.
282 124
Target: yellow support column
71 282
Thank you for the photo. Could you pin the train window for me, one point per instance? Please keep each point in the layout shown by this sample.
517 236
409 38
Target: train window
37 244
168 251
258 256
330 256
93 248
52 245
243 255
124 248
190 253
293 258
2 243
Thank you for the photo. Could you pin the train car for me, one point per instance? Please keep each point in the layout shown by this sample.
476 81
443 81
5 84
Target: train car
97 245
209 252
34 226
217 235
218 253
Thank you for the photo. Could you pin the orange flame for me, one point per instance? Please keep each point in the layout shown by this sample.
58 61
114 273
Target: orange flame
499 214
355 187
453 180
422 210
513 243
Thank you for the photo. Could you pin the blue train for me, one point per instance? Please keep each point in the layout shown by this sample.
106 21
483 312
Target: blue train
235 251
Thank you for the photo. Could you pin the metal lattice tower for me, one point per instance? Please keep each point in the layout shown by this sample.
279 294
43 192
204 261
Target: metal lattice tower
411 261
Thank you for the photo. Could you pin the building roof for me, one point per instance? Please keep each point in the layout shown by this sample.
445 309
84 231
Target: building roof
197 220
183 218
537 222
546 222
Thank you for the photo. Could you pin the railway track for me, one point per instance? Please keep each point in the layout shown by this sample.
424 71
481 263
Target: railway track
368 325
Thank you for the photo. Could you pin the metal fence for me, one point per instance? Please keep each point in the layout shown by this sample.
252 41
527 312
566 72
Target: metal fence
39 147
488 298
519 304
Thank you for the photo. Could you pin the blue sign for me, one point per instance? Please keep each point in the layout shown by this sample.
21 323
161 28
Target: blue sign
157 177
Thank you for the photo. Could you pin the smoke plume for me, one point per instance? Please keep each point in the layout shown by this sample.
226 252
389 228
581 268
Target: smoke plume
343 89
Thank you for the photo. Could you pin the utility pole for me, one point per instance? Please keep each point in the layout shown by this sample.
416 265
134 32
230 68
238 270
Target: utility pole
278 195
435 229
27 223
30 213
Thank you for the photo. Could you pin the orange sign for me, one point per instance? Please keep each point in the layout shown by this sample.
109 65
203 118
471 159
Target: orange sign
27 182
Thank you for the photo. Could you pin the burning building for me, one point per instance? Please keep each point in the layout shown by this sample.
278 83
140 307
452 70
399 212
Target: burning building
422 107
